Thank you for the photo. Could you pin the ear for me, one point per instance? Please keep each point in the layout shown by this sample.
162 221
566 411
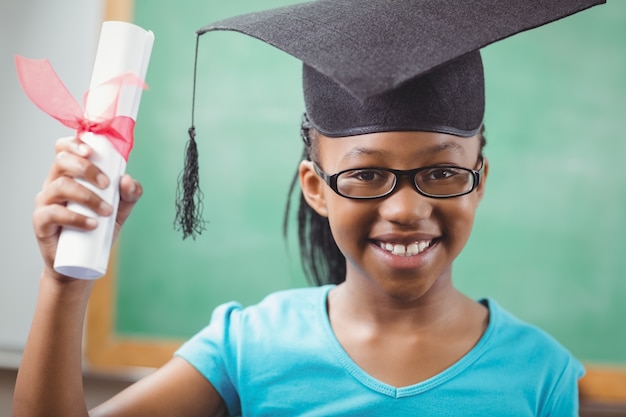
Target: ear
313 188
480 190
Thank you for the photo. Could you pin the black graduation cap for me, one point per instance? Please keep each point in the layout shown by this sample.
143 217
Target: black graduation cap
384 65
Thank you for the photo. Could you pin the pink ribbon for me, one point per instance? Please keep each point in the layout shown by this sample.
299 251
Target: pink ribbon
43 86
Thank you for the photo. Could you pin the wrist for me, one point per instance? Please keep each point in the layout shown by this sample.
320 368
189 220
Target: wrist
58 285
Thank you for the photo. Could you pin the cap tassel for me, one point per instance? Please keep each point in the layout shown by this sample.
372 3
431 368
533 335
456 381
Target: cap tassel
188 194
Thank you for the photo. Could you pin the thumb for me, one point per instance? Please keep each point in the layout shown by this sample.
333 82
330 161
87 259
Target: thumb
130 193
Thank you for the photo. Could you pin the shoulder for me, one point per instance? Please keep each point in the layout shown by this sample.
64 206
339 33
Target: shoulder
292 298
536 358
277 310
539 373
284 310
514 332
216 350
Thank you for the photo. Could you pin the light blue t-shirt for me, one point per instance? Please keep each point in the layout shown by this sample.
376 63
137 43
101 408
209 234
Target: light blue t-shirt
281 358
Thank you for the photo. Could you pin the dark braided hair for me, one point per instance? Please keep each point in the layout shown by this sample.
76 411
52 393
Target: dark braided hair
322 261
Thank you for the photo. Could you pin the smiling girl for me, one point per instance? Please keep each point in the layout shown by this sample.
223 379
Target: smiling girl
392 175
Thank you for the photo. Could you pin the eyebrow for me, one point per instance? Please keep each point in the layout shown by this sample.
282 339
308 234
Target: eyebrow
360 151
435 149
445 146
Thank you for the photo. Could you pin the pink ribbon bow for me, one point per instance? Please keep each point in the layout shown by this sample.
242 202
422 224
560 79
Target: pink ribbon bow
43 86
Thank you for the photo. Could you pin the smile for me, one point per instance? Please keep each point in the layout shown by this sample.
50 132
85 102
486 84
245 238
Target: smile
412 249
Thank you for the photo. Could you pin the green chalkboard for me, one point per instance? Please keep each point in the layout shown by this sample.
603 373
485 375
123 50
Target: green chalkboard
549 237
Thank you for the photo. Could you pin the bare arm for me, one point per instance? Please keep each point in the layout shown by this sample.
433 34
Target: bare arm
49 381
176 389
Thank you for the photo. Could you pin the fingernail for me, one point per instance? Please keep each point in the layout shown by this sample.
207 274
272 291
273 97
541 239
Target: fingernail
102 180
105 208
90 222
82 149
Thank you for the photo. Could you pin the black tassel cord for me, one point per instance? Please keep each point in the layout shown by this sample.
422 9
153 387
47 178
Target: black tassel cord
189 197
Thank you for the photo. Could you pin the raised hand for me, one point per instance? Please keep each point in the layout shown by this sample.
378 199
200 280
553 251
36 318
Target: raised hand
60 187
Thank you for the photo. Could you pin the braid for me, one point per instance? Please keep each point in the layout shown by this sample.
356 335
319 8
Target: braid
482 141
322 261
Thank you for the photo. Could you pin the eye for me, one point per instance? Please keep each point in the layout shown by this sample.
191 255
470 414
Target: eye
442 173
365 182
367 175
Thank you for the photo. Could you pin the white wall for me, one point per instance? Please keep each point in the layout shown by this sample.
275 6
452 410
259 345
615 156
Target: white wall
66 33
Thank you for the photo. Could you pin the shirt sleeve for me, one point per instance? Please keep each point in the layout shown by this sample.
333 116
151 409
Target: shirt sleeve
212 352
563 399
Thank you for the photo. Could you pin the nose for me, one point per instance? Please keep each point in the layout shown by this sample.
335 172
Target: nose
405 205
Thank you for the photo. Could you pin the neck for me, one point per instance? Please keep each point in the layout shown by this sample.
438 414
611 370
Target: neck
426 335
441 304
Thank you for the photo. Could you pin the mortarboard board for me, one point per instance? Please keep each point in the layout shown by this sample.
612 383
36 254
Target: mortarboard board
383 65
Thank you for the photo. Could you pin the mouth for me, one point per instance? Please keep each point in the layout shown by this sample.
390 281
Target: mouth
412 249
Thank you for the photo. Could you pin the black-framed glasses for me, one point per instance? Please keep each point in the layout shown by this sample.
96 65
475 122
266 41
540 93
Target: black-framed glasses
439 181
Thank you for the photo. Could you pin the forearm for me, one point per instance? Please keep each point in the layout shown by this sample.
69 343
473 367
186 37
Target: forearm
49 380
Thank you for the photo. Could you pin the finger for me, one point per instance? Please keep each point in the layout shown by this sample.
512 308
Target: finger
48 221
47 224
64 190
130 189
73 145
75 166
130 192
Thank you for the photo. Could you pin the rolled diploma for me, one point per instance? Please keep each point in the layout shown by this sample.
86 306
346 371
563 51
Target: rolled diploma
123 47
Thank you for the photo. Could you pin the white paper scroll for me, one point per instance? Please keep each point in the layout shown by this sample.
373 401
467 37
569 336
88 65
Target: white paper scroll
123 47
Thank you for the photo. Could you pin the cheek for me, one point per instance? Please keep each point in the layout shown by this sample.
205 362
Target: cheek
461 219
349 221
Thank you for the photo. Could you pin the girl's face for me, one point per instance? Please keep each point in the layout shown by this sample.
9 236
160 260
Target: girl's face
373 234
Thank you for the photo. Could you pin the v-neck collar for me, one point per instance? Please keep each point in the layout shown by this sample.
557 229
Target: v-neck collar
398 392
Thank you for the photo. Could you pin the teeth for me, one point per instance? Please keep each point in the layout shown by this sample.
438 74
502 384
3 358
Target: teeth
413 249
398 250
410 250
